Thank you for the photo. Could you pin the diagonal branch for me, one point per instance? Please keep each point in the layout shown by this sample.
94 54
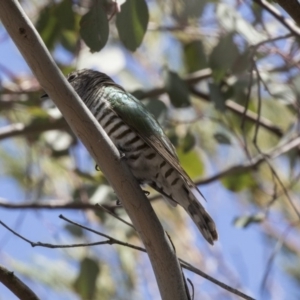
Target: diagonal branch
239 110
162 257
277 15
292 7
16 286
255 162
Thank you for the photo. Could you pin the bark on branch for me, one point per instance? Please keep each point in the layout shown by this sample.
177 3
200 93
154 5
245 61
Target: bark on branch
288 24
16 286
163 259
292 7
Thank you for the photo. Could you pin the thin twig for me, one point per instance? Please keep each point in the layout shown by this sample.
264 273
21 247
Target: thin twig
260 79
114 215
215 281
280 242
239 110
110 241
272 40
259 100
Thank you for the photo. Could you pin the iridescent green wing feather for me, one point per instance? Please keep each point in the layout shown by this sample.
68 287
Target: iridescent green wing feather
136 116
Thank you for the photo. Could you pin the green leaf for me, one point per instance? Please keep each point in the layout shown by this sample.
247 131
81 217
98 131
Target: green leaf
68 40
223 56
242 62
65 15
177 89
238 182
85 283
157 108
182 10
74 230
217 96
55 19
191 162
48 27
189 142
240 90
173 138
94 27
222 138
194 56
132 23
245 221
138 94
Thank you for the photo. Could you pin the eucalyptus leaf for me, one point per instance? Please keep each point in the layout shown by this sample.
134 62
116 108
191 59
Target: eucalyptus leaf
238 182
132 23
223 57
157 108
74 230
194 56
94 27
217 96
191 162
177 89
85 283
189 142
222 138
65 15
182 10
48 26
68 40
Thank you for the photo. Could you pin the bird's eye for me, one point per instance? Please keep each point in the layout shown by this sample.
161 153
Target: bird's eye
72 77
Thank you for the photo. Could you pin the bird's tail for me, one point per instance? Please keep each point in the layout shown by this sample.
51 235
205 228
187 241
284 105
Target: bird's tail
189 201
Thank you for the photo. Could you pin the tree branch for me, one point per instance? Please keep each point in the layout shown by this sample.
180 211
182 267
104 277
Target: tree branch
163 259
16 286
19 129
292 7
247 166
239 110
255 162
277 15
191 79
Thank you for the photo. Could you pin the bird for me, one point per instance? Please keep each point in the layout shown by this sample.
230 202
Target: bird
140 139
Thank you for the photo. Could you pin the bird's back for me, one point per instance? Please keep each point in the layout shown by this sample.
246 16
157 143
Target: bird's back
143 143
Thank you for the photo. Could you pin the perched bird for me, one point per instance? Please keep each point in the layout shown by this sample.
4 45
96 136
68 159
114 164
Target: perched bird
148 152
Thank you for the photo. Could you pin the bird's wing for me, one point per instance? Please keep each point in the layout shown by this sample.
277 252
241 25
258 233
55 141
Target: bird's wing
126 107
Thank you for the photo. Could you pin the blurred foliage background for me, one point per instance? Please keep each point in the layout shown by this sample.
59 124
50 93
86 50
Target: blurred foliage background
222 77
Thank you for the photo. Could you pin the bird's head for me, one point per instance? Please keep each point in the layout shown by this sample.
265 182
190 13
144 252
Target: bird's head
86 82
